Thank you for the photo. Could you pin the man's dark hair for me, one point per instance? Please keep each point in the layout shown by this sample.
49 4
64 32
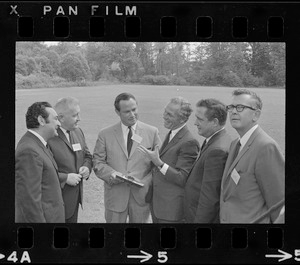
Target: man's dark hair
215 109
35 110
243 91
123 96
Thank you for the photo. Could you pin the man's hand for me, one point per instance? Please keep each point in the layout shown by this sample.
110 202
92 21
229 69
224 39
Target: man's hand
84 172
152 155
73 179
113 180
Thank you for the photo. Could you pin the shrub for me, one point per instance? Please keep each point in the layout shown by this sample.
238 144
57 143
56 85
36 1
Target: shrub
155 80
252 81
179 81
232 79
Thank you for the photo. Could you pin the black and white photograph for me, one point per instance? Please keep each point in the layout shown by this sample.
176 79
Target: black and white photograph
150 132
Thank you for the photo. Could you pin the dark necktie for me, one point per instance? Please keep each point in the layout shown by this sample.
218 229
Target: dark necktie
166 141
49 150
70 137
236 151
129 140
203 145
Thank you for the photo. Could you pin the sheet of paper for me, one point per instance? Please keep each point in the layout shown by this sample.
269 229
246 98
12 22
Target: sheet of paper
235 176
136 138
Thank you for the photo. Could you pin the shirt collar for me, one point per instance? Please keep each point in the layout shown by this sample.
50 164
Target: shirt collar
247 135
38 136
65 132
174 132
125 128
207 139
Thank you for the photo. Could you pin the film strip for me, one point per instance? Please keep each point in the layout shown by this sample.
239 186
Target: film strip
148 22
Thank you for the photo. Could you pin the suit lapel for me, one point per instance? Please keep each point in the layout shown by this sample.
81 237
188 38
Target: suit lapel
45 149
138 131
120 139
214 138
231 163
64 138
175 140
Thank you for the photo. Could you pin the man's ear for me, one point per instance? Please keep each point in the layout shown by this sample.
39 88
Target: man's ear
216 122
256 115
118 112
60 117
41 120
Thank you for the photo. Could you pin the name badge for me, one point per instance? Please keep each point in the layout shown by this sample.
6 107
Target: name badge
136 138
76 147
235 176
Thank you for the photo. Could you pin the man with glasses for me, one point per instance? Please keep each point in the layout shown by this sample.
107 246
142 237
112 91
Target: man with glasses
253 179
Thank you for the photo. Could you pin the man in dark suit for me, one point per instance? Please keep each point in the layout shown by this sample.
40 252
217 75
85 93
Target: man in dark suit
72 156
253 179
172 163
115 154
38 197
202 190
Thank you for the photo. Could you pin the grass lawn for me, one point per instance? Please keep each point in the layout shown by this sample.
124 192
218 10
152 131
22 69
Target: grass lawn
97 112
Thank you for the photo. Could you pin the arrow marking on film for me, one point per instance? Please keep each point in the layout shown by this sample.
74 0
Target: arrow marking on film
144 257
2 256
283 257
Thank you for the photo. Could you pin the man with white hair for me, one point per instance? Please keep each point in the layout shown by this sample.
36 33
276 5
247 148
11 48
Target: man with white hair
172 163
72 156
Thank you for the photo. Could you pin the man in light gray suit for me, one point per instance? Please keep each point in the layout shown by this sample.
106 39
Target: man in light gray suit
253 178
115 154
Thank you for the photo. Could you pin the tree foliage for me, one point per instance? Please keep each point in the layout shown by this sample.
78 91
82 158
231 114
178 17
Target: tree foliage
214 64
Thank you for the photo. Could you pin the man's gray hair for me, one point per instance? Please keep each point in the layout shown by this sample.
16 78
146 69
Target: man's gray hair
243 91
64 104
185 107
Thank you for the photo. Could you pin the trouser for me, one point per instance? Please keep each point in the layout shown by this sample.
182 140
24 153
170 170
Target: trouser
74 217
134 212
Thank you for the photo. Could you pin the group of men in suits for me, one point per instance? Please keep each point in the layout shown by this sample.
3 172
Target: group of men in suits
240 181
51 162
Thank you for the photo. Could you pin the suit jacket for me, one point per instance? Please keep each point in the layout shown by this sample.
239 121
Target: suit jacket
202 190
38 197
168 190
260 165
69 161
110 154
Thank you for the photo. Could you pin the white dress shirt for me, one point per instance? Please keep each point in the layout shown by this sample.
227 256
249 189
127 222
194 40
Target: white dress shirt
66 134
125 131
246 136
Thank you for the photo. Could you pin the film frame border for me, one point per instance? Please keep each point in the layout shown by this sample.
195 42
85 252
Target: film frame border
221 235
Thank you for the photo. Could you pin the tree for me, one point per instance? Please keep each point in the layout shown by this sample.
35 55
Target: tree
71 68
54 59
44 65
25 65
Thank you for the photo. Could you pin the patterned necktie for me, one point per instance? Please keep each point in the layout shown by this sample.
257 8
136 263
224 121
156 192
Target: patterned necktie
166 141
129 140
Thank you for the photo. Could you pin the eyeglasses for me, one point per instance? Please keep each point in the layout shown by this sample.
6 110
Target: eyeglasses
239 108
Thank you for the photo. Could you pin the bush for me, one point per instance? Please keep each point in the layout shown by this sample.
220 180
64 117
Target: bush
232 79
155 80
252 81
179 81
